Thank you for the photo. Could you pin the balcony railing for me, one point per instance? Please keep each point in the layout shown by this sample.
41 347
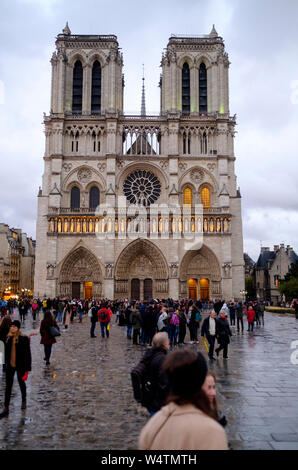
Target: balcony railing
156 226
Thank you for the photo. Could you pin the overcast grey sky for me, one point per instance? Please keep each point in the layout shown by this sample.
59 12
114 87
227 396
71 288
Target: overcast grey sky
262 42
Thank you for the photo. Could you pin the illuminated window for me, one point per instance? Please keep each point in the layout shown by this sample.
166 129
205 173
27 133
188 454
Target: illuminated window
187 196
205 197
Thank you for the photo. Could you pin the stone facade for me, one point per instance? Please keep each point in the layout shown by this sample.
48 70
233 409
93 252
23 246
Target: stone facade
174 158
17 259
271 267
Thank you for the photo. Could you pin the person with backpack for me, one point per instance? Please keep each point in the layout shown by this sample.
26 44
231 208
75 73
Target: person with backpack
104 316
34 309
150 384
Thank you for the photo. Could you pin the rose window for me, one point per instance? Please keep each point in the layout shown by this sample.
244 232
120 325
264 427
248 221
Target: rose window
142 187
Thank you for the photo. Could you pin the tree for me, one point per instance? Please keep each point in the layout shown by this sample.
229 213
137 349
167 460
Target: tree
249 287
289 286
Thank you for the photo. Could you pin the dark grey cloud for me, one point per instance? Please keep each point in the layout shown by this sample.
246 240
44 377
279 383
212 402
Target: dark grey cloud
261 39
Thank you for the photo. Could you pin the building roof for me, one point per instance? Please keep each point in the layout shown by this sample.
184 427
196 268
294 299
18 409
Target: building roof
263 259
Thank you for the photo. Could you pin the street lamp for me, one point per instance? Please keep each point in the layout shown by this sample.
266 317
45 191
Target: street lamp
243 293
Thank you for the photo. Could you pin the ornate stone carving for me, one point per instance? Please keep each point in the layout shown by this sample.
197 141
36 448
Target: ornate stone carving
84 175
120 164
174 270
182 166
227 266
164 164
211 166
197 175
109 270
67 167
50 270
101 166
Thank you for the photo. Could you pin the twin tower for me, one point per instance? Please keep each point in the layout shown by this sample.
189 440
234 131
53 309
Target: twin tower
118 205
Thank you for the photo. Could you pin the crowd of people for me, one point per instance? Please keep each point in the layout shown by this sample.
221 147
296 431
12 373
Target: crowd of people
181 388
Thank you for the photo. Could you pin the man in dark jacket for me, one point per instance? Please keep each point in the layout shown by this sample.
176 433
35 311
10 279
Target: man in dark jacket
94 320
223 335
17 359
209 328
154 359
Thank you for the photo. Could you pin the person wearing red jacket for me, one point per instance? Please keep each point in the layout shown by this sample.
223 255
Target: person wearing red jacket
250 318
104 317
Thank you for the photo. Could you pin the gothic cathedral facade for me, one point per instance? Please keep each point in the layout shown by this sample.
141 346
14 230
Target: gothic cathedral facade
100 164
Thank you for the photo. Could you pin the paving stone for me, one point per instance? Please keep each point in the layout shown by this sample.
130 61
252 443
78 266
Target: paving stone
284 445
84 399
282 437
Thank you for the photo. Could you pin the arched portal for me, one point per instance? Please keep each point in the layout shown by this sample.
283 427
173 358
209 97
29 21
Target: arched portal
203 267
141 265
80 275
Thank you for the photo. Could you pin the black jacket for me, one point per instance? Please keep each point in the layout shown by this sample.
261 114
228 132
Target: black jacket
23 353
223 331
154 359
205 327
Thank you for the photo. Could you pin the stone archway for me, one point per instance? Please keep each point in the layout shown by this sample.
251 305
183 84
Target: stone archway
203 267
141 260
80 273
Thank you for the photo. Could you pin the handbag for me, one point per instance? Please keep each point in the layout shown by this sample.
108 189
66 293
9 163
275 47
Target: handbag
54 331
90 313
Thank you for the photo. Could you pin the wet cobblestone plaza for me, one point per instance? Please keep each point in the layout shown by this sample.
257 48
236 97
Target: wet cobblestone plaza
84 400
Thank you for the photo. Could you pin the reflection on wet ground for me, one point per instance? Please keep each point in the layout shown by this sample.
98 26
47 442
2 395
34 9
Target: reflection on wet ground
84 400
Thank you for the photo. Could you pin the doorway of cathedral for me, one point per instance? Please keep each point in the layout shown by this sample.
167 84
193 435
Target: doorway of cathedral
147 289
204 289
193 289
135 289
88 290
76 288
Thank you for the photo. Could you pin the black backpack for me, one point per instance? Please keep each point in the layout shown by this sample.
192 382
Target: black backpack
103 314
142 387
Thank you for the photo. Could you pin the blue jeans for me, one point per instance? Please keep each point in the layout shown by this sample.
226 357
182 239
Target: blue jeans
92 329
173 332
129 331
103 326
47 351
60 316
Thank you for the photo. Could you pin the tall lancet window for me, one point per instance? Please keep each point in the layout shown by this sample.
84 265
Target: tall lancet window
93 197
96 88
203 89
75 198
77 88
185 89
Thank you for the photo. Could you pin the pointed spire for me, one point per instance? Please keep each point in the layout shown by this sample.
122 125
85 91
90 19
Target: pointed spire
213 33
143 105
66 31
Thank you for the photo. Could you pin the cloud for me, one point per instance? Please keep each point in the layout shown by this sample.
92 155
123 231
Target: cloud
260 38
